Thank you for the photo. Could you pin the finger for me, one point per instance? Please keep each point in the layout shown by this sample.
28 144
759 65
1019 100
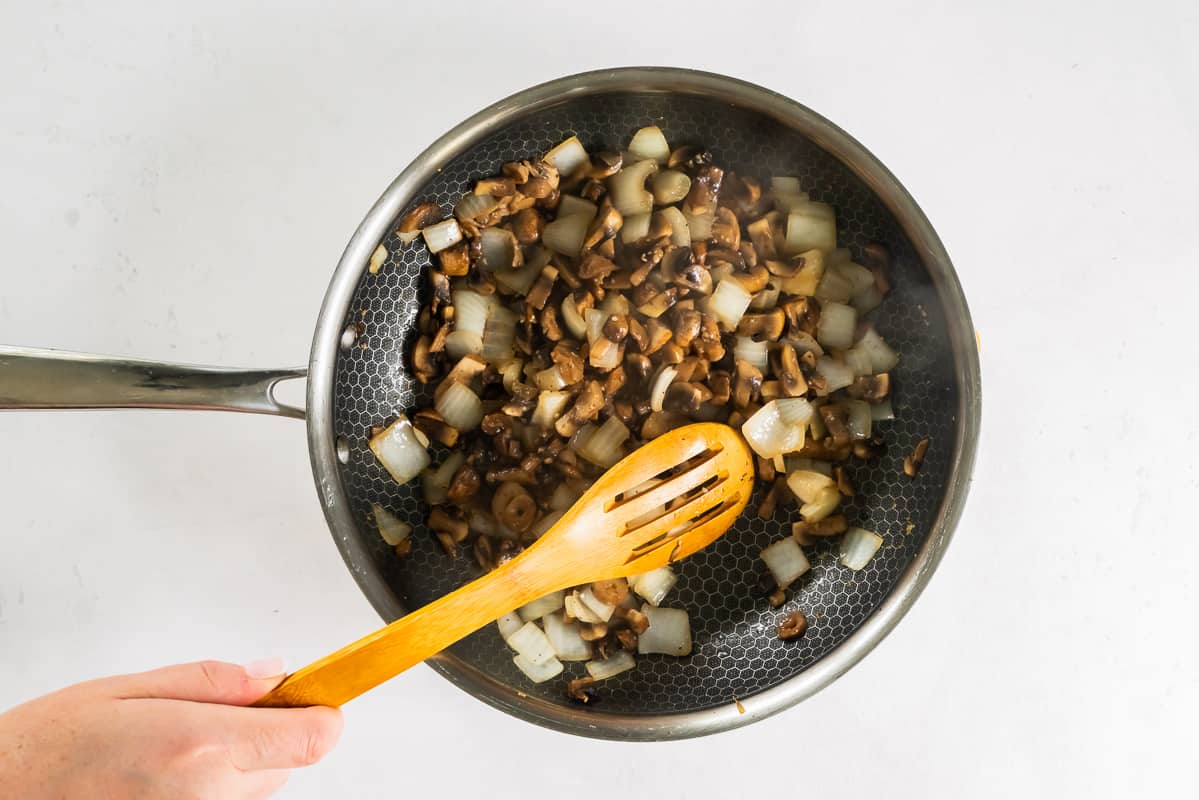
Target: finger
203 681
262 783
279 738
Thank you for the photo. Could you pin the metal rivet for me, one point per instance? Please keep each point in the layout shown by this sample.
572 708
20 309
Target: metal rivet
349 336
343 449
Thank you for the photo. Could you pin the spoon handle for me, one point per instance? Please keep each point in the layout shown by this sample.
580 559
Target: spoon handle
380 656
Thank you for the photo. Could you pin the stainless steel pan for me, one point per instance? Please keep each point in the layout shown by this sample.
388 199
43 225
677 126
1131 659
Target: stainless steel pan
357 377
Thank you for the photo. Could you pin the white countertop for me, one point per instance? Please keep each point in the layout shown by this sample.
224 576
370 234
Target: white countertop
179 187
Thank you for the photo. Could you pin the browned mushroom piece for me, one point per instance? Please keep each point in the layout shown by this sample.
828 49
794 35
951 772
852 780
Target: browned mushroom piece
761 234
423 365
785 269
705 186
685 398
614 382
566 358
793 626
484 553
586 407
765 470
747 383
767 325
404 547
871 388
438 343
791 379
527 225
726 230
779 493
825 451
606 224
580 691
539 292
807 533
447 543
687 324
688 156
669 353
455 261
844 484
659 422
721 385
616 327
637 368
877 258
496 187
441 521
914 460
594 265
550 326
602 164
431 424
613 592
771 390
777 598
835 417
743 195
440 286
627 639
657 335
421 216
513 506
803 314
464 485
468 368
593 632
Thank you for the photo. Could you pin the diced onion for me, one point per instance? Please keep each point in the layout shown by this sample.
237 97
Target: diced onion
649 143
499 249
859 361
463 343
542 526
835 373
576 608
572 318
794 462
810 228
604 354
787 203
836 325
669 632
653 586
565 235
882 356
615 303
808 484
657 392
783 184
571 204
786 561
567 156
680 232
767 298
728 302
859 419
538 673
471 310
595 324
757 353
460 407
520 280
550 406
880 412
400 451
531 642
627 189
568 644
699 226
564 497
794 411
858 276
377 259
867 300
604 446
618 662
670 186
391 528
635 228
769 435
498 335
435 482
546 604
475 206
837 257
825 503
858 546
509 624
444 234
833 288
596 606
549 379
807 280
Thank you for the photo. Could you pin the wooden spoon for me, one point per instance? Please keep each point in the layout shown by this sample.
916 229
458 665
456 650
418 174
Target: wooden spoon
670 498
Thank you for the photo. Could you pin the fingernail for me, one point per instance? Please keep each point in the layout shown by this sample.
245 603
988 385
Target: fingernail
265 668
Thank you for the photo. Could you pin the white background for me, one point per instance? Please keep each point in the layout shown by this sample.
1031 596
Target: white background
177 182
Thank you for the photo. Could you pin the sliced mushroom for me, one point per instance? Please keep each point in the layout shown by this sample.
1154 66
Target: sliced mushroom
421 216
527 226
793 626
657 335
550 326
568 361
877 258
606 224
616 327
803 314
705 186
689 156
440 285
709 345
687 324
595 266
747 384
659 422
465 371
807 533
431 424
836 418
844 484
422 360
513 506
613 592
603 164
539 292
767 325
791 379
441 521
637 368
685 398
871 388
594 631
914 460
580 691
743 195
721 385
761 234
669 353
726 230
464 485
614 382
455 261
585 409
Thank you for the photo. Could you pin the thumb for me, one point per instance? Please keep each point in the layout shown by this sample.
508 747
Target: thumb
203 682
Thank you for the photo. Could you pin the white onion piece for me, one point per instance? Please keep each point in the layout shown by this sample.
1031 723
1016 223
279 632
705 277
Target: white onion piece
400 451
728 302
858 546
576 608
653 586
769 435
564 497
500 249
836 325
546 604
882 356
881 412
787 203
475 206
595 324
498 335
757 353
699 226
598 607
858 276
572 318
538 673
807 484
571 204
867 300
615 303
565 637
604 446
794 462
859 361
859 419
657 392
669 632
377 259
460 407
807 280
835 258
550 406
649 142
669 186
680 232
521 279
809 228
767 297
542 526
550 379
794 411
481 522
785 184
627 189
618 662
635 228
509 624
463 343
833 288
408 237
567 156
471 310
444 234
393 529
565 235
604 355
835 373
531 642
511 371
435 482
825 503
786 561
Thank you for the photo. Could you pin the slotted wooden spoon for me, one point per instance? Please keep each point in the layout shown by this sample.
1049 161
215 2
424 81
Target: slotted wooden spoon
672 497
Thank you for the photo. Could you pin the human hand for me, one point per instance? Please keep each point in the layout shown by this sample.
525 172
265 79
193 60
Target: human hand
179 732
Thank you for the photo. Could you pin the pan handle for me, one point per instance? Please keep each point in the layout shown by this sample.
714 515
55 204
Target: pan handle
36 378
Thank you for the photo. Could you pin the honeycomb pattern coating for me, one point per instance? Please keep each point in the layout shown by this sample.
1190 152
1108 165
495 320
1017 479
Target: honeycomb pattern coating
736 652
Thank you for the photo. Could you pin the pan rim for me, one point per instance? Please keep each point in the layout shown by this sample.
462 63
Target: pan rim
827 136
